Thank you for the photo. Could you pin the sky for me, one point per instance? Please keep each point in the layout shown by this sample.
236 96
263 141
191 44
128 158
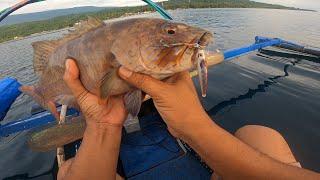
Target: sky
304 4
61 4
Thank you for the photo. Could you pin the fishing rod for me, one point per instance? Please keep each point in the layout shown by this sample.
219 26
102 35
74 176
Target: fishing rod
159 9
6 12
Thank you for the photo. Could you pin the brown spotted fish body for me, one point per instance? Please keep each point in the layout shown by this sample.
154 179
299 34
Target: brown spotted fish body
156 47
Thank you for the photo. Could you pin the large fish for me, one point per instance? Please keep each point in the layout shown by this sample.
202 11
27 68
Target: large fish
156 47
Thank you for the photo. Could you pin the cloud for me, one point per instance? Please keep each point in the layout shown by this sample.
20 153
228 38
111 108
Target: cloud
61 4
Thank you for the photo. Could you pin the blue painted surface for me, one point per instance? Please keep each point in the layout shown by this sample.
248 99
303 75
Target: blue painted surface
154 143
9 90
37 120
229 54
162 156
261 39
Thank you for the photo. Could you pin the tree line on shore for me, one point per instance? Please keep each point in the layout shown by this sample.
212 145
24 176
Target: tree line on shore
14 31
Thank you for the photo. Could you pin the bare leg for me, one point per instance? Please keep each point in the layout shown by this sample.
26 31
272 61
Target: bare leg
267 141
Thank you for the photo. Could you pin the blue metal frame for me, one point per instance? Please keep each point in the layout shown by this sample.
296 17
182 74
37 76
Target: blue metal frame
230 54
9 88
37 120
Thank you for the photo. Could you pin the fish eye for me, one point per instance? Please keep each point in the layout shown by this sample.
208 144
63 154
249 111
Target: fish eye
171 31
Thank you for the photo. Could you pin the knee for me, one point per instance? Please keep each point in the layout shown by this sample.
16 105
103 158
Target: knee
267 141
255 131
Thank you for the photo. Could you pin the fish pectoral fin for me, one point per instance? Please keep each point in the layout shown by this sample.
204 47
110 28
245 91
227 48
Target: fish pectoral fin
133 101
107 83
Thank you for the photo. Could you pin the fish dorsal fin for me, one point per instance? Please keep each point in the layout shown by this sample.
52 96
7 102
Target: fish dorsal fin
82 27
43 49
85 26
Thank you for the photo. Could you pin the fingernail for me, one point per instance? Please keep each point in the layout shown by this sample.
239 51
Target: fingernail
125 72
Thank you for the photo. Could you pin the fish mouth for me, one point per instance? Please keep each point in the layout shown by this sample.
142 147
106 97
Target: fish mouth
177 50
201 43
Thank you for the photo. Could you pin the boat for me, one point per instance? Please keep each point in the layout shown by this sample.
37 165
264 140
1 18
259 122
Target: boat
151 151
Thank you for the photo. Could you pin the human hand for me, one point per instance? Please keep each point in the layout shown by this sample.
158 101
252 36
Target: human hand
176 99
97 113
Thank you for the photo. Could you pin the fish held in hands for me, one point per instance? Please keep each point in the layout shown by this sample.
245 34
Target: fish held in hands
156 47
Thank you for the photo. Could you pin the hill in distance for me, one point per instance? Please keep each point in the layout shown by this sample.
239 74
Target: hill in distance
58 19
37 16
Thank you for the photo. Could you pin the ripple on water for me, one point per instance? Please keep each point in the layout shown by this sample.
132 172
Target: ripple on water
261 88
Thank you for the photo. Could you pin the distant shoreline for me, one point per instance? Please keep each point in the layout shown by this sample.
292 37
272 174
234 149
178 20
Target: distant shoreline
20 31
67 28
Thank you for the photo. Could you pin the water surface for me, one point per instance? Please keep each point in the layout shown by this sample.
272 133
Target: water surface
271 88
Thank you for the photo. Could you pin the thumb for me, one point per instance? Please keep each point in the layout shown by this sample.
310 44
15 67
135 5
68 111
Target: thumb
71 77
146 83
